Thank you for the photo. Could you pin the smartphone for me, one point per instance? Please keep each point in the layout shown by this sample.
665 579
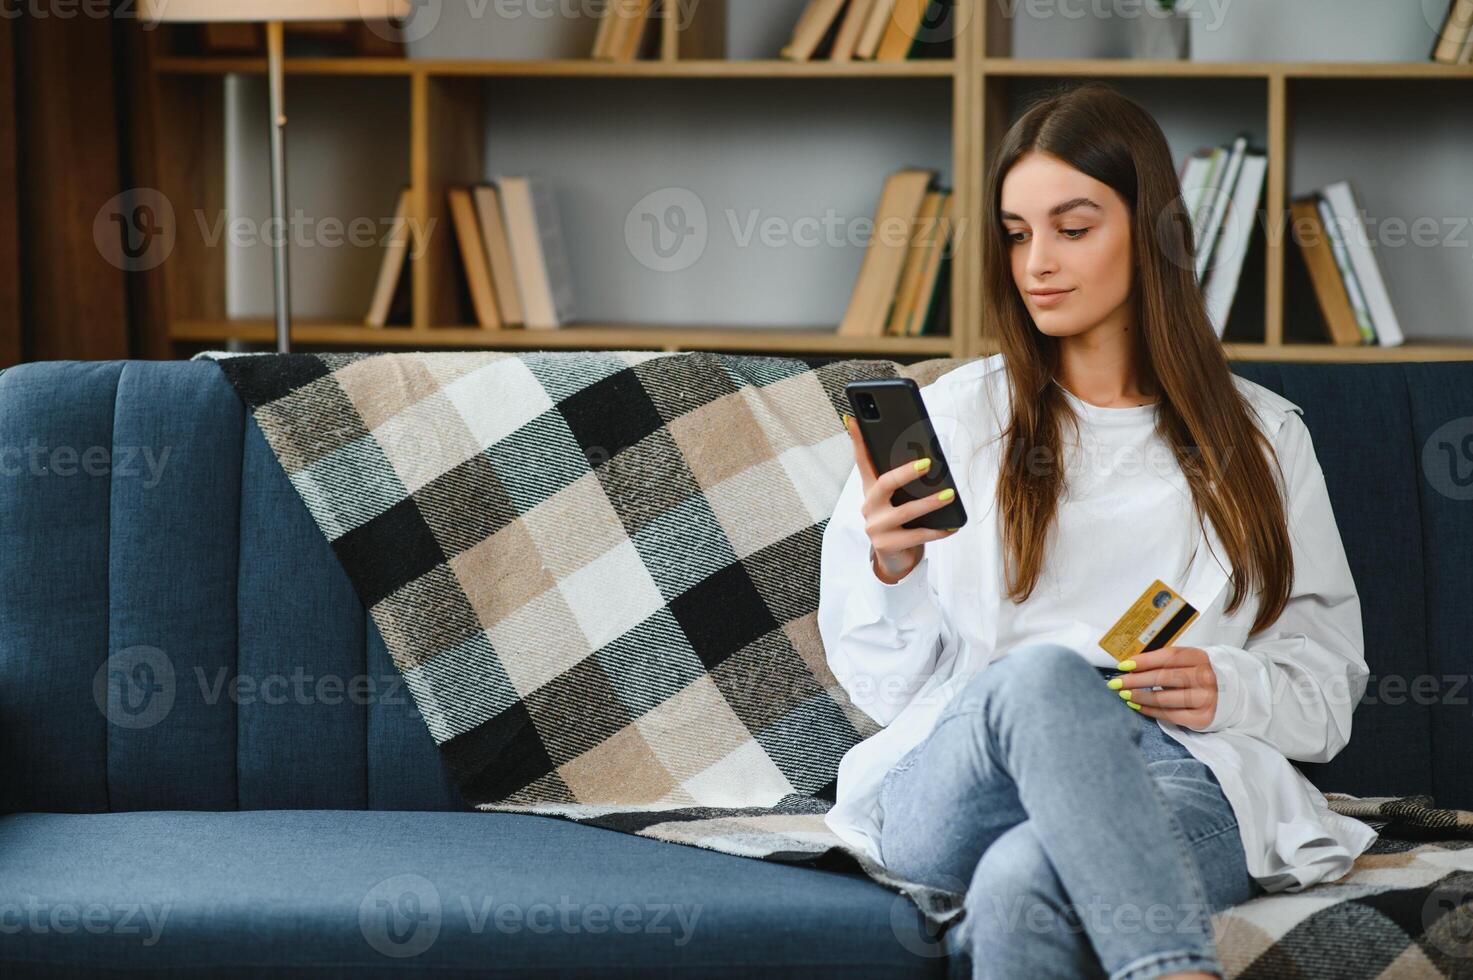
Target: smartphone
897 429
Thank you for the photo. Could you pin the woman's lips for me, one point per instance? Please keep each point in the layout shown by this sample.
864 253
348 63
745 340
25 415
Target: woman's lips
1050 299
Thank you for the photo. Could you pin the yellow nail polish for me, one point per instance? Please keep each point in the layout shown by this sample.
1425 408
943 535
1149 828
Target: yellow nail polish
1116 684
1126 665
946 494
1125 695
1134 705
923 464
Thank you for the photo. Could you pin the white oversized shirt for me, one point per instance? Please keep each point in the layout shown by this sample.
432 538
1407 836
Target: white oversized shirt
902 651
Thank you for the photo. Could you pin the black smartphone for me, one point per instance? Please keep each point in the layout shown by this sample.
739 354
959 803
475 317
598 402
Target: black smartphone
897 429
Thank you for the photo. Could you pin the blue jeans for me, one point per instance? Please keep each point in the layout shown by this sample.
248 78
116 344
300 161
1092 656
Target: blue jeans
1087 841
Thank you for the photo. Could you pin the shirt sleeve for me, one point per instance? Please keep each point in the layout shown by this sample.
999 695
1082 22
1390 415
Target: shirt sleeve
1297 682
882 641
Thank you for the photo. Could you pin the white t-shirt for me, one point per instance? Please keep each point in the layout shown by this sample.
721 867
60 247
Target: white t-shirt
1121 518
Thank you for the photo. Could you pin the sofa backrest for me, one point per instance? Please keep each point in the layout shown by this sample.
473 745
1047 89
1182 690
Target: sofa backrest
152 540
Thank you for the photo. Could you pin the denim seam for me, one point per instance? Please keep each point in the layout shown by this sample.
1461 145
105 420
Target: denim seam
1159 964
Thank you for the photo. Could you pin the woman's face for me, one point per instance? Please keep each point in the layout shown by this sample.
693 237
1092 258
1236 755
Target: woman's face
1067 231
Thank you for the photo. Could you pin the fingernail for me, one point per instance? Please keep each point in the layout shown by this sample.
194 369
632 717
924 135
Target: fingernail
946 494
1126 665
923 464
1125 695
1134 705
1116 684
952 530
846 421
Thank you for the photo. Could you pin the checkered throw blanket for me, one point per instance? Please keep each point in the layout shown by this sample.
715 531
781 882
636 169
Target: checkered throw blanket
598 574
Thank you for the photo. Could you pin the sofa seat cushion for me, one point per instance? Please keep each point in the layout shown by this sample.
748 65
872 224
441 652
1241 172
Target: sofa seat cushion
356 891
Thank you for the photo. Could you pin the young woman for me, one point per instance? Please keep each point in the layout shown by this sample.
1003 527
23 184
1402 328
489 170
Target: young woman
1095 824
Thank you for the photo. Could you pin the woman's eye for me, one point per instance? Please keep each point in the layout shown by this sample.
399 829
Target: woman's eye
1075 233
1017 236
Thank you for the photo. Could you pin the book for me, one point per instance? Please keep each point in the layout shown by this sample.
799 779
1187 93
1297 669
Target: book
534 228
1342 197
938 259
1239 219
388 298
1456 34
927 227
901 31
1324 273
473 257
1334 234
855 17
621 30
498 252
1217 204
884 258
874 29
814 25
937 320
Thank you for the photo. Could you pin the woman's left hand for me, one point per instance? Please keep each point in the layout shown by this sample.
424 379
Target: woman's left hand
1189 687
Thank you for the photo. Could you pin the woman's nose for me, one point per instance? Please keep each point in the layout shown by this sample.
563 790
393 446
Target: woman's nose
1041 260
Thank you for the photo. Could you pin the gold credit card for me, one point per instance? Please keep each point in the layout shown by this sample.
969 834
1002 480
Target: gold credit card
1152 621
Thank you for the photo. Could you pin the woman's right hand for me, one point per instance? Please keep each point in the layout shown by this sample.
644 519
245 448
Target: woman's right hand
894 550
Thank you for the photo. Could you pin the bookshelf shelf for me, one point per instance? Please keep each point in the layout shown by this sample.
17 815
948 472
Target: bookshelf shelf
601 336
450 105
566 68
1133 68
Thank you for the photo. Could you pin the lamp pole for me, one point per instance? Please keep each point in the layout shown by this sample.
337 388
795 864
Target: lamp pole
278 185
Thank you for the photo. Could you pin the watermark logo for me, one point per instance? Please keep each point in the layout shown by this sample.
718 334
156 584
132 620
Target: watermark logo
135 687
134 231
1447 459
400 916
423 16
667 229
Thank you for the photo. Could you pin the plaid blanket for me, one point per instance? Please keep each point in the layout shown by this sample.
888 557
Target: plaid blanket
598 574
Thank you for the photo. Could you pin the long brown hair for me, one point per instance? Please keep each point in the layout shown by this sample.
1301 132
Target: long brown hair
1201 414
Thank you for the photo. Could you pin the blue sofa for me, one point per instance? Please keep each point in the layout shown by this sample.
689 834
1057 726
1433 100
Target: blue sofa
265 797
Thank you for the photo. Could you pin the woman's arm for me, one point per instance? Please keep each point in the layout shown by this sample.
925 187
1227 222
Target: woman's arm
882 641
1297 682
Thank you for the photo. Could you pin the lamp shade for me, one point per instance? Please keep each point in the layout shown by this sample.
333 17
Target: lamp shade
260 11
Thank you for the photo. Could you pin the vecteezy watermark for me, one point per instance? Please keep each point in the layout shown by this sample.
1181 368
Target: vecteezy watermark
1447 458
138 686
1175 227
137 230
403 915
1447 915
425 15
135 687
124 462
134 230
31 915
668 230
1211 13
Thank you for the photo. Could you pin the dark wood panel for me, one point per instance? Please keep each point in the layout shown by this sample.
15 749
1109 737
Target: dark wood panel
10 280
75 299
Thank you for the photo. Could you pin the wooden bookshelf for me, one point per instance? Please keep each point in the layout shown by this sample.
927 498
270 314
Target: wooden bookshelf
447 119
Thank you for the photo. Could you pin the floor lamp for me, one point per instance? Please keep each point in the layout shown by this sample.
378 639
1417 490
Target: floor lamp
273 13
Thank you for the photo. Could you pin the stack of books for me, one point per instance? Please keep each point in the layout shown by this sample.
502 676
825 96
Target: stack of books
622 27
872 30
903 285
1348 285
508 235
1455 38
1221 187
